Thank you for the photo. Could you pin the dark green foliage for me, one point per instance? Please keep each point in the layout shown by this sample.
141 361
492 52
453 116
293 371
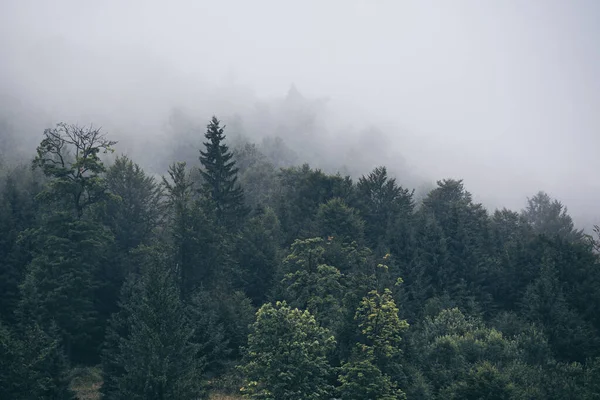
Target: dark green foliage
544 303
381 202
362 380
302 191
258 255
236 314
32 365
501 305
311 284
154 356
549 217
483 381
209 332
197 243
136 210
134 213
256 175
592 379
220 177
18 212
466 237
63 282
336 219
69 154
286 357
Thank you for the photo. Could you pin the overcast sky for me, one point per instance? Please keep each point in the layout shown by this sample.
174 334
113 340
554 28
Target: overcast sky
504 93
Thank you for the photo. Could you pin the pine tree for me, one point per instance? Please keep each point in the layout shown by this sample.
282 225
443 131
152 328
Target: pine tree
571 337
549 217
337 220
63 283
220 177
258 255
381 201
18 212
151 355
32 364
137 208
198 245
465 227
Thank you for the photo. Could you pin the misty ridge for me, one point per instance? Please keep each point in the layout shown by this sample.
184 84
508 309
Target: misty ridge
431 91
157 115
158 120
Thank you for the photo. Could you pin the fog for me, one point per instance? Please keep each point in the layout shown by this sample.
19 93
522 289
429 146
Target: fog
503 94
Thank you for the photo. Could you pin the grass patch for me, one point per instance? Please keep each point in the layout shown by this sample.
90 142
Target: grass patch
221 396
86 382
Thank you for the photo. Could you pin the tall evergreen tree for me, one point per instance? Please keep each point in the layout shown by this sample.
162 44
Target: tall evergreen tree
549 217
154 357
63 283
32 364
381 201
197 243
220 177
18 212
137 208
258 254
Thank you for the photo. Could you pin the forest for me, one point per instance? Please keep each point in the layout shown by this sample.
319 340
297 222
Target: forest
233 277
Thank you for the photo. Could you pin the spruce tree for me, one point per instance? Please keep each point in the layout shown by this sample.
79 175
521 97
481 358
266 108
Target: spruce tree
62 283
381 201
149 353
198 249
550 217
220 177
32 364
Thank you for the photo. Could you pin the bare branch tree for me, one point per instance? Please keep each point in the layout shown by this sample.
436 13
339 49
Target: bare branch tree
69 155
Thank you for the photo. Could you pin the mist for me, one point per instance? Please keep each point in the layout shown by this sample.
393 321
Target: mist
501 94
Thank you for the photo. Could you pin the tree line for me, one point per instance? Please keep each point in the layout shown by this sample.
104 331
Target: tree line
283 283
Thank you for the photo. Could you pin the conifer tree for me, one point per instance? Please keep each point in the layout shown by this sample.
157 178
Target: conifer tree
18 212
381 201
153 357
137 208
32 364
197 243
258 254
62 283
549 217
220 177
